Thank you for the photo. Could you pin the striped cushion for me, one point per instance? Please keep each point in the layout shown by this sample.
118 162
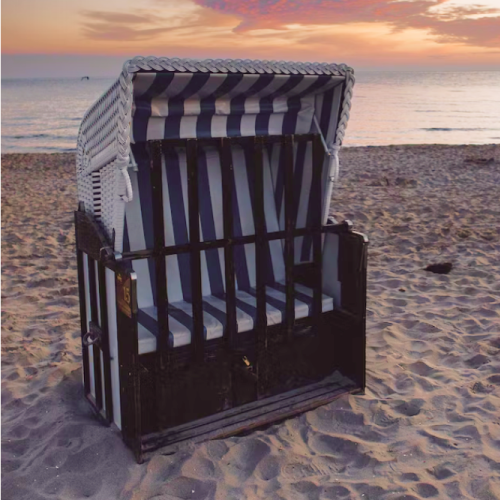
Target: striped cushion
139 235
214 315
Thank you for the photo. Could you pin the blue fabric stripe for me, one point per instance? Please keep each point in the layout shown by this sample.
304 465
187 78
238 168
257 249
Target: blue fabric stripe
297 177
233 126
184 319
172 127
247 308
143 105
148 322
145 189
280 180
240 260
326 111
126 240
294 104
179 222
195 84
207 105
262 124
266 103
298 295
208 226
238 104
324 123
204 126
216 313
268 263
276 303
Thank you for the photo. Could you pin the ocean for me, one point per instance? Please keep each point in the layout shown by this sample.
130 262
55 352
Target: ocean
43 115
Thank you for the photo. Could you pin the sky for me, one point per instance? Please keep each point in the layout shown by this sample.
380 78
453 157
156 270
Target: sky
42 38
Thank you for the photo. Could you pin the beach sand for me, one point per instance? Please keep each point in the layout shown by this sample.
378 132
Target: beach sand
429 423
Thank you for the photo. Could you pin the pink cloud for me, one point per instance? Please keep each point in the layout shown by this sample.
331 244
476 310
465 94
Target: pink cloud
452 25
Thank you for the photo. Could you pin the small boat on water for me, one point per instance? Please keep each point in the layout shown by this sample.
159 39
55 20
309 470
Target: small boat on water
85 78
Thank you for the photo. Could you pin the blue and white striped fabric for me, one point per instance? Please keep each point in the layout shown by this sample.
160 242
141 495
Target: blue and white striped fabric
203 105
187 105
139 236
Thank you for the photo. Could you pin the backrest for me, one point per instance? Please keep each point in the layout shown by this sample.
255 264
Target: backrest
326 104
139 222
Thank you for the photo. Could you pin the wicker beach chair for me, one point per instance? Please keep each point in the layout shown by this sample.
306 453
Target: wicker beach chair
216 295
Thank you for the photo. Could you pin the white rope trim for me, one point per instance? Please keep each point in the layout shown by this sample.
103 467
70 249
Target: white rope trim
129 195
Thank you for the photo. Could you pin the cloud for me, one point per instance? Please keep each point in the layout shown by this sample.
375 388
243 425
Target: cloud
164 18
465 24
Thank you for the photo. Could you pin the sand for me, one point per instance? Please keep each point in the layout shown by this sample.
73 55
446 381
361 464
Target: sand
429 423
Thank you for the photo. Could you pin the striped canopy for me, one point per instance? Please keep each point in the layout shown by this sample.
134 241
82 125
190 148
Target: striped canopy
201 104
161 98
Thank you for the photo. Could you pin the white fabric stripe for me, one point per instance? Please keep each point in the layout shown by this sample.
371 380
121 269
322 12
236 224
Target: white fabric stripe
304 200
247 125
192 107
179 82
332 127
147 342
274 316
183 169
301 308
174 289
305 116
213 325
182 335
156 129
243 192
276 152
245 209
156 125
222 266
205 279
244 320
274 85
113 345
215 184
188 127
276 124
86 282
276 246
245 83
301 87
327 301
137 242
218 126
159 108
212 84
159 104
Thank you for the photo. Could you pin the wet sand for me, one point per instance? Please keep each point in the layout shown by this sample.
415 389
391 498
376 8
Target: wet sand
429 423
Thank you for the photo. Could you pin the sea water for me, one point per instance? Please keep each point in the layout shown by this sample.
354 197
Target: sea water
43 115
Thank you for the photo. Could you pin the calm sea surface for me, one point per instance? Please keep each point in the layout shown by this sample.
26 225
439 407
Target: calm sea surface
43 115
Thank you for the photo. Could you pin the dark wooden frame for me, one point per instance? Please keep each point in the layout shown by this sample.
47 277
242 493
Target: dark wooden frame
248 387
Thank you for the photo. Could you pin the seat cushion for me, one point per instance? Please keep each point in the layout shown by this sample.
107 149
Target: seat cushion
180 315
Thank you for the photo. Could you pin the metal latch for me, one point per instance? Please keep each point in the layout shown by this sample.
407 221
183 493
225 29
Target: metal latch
93 336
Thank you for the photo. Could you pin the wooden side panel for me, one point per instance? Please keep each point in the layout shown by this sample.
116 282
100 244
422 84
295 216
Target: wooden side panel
350 350
130 402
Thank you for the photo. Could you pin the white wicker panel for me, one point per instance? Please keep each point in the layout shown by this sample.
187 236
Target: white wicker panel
85 192
113 206
96 193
